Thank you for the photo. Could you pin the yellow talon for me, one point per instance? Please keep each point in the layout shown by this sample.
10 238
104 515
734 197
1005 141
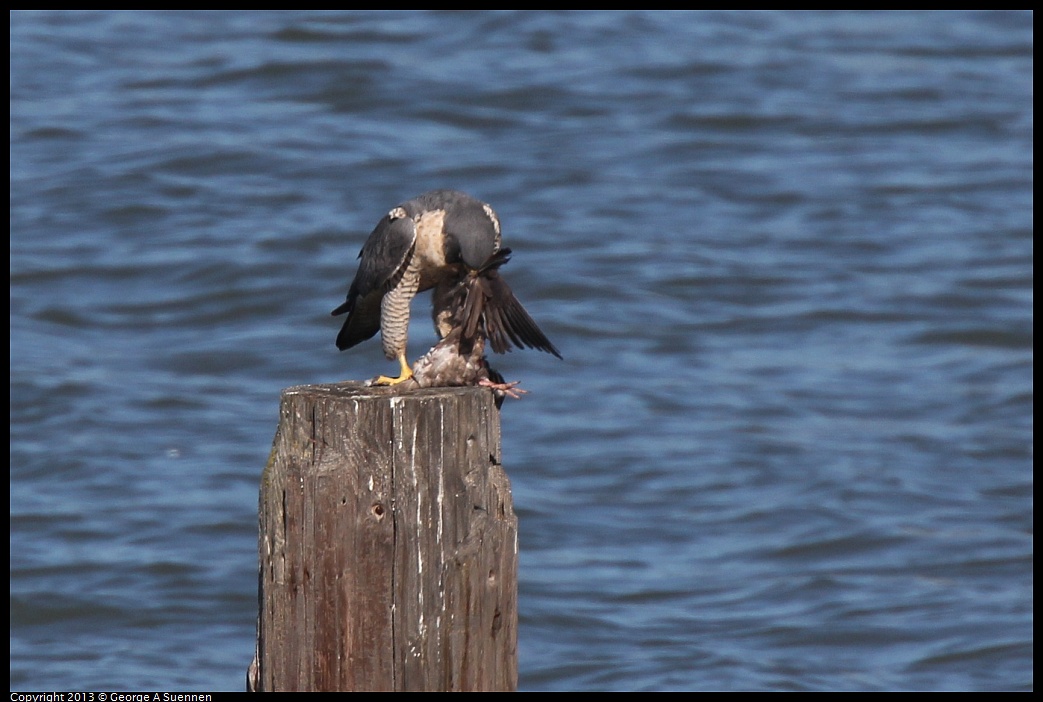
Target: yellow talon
405 374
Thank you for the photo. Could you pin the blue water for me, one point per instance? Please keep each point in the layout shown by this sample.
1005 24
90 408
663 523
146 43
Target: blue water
787 258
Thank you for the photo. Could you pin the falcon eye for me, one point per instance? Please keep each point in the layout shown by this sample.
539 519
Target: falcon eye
452 250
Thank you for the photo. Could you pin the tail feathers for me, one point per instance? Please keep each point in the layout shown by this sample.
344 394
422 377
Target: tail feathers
363 319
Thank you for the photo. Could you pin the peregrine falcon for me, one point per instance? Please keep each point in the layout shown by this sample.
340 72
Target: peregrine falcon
435 241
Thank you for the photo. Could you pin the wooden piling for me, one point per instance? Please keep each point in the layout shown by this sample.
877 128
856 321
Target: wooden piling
388 544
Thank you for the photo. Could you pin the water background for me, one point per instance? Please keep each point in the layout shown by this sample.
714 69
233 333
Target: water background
787 258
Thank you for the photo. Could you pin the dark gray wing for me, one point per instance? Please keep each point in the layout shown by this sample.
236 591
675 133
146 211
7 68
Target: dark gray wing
382 262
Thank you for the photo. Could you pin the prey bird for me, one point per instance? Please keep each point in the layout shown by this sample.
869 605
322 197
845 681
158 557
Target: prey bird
480 312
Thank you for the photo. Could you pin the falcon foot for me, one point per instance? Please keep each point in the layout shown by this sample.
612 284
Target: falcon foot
384 380
405 375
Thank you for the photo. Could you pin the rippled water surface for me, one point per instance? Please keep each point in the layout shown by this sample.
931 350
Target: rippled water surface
787 258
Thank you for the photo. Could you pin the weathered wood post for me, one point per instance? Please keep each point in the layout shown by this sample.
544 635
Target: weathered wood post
388 543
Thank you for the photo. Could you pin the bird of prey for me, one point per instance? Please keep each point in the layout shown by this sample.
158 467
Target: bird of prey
435 241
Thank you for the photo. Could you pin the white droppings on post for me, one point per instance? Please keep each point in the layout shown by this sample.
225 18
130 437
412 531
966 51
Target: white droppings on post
420 528
397 417
441 473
